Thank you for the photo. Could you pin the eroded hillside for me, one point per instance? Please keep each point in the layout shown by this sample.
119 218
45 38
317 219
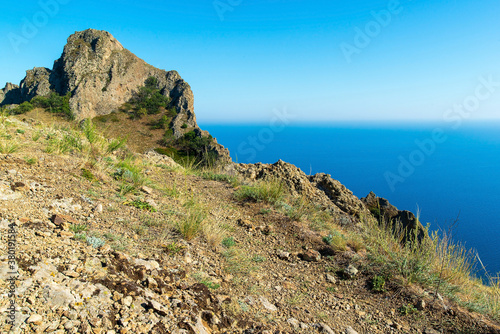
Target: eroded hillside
113 241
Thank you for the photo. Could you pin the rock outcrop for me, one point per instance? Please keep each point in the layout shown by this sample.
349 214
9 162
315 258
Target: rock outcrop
329 193
11 94
319 188
36 83
101 75
403 222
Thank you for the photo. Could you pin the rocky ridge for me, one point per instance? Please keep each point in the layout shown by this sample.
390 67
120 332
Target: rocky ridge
272 275
332 195
101 75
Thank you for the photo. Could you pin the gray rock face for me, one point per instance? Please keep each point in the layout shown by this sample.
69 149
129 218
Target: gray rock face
11 94
35 83
320 188
101 75
401 221
337 193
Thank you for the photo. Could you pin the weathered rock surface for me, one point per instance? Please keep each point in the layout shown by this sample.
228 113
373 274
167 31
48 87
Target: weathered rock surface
101 75
11 94
401 221
35 83
319 188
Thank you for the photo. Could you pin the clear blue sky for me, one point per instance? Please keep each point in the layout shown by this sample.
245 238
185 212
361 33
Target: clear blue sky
243 58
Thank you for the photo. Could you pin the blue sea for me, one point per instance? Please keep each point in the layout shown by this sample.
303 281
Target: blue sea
444 172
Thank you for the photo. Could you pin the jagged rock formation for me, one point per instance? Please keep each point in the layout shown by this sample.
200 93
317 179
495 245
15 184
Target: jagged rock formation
35 83
320 188
11 94
400 221
101 75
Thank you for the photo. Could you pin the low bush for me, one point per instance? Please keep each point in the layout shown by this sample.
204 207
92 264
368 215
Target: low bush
148 99
270 191
54 103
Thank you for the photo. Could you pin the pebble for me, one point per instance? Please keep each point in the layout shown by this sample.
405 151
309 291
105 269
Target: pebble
293 322
351 271
331 279
35 319
267 304
350 330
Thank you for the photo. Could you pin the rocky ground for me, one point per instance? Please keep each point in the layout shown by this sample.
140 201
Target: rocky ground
90 262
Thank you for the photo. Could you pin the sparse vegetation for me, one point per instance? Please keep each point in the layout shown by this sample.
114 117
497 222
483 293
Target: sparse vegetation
30 161
407 309
174 248
210 175
78 228
87 174
141 205
437 264
95 242
190 224
228 242
336 240
378 284
270 191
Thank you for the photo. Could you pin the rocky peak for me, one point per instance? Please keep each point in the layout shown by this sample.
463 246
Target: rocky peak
101 75
35 83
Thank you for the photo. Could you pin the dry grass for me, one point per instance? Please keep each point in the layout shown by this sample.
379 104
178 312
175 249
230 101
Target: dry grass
438 264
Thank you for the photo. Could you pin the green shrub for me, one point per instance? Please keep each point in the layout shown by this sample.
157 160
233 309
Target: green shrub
162 122
174 248
184 126
141 205
210 285
30 161
149 98
23 108
54 103
81 236
378 283
172 112
194 145
88 175
228 242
